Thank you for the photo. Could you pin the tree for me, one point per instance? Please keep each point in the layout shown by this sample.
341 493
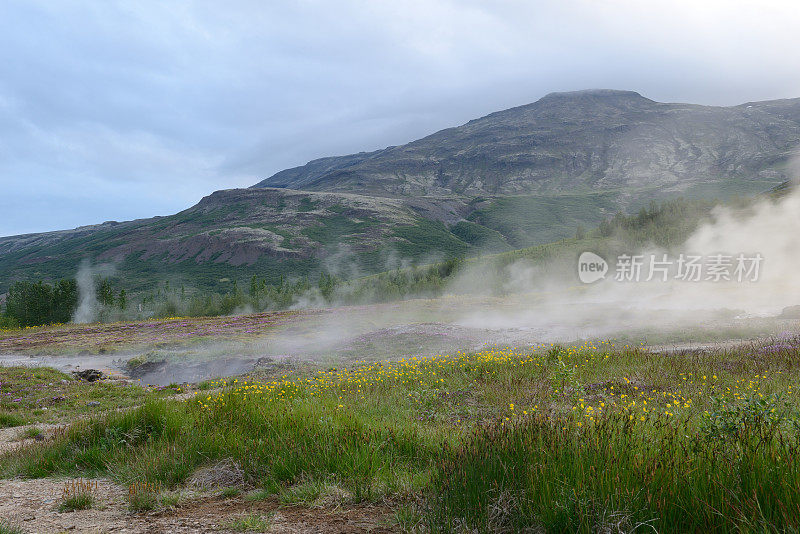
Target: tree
30 303
122 300
254 286
37 303
105 293
65 301
606 229
327 284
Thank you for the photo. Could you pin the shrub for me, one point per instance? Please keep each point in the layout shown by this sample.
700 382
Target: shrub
142 496
77 495
251 522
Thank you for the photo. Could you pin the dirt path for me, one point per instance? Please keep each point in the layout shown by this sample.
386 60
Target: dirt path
33 505
212 515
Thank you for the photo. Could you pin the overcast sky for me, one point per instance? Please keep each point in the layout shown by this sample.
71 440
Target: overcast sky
120 110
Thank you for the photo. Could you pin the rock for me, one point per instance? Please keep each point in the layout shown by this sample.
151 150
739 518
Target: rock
225 474
92 403
89 375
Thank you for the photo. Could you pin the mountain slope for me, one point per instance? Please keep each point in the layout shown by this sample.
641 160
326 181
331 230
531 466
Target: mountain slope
585 140
512 179
234 234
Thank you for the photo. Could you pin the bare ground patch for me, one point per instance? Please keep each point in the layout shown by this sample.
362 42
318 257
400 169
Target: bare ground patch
33 506
212 515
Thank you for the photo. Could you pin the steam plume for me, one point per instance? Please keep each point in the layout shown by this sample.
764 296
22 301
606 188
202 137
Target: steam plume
88 307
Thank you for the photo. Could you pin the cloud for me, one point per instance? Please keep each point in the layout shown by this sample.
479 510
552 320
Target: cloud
118 98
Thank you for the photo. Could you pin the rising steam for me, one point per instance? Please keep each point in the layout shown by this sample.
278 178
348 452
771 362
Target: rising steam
542 302
556 310
88 309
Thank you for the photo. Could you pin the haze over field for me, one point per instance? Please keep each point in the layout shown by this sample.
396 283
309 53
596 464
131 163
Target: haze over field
542 302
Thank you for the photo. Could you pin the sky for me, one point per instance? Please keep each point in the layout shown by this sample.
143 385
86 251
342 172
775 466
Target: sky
117 110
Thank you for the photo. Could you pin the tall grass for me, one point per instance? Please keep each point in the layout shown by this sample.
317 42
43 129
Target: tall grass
618 474
274 443
585 438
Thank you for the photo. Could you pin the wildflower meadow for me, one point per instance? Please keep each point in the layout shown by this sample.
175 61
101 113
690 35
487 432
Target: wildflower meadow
555 438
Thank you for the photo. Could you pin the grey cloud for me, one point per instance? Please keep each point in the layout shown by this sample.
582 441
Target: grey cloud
127 109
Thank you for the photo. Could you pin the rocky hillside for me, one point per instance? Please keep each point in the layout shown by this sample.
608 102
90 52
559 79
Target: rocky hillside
580 141
512 179
234 234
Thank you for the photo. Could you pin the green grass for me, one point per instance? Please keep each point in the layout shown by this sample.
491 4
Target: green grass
249 523
170 499
208 384
529 220
77 495
540 474
145 496
142 503
8 420
228 493
430 238
81 501
314 491
261 494
306 204
484 239
556 439
8 528
331 229
31 433
42 394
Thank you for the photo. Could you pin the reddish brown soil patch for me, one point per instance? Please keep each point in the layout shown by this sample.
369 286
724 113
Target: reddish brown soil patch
213 514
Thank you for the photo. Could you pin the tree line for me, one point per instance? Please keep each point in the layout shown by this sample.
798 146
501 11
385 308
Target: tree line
34 303
40 303
323 289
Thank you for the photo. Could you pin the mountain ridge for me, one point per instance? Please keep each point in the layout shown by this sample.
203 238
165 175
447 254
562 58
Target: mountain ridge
510 179
590 138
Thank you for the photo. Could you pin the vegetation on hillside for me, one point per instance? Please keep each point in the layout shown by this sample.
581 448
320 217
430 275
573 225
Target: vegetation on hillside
525 221
31 304
664 225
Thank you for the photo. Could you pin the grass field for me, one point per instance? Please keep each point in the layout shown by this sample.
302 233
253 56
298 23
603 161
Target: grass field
40 394
595 437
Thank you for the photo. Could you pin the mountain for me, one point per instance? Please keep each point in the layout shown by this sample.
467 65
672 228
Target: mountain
579 141
234 234
515 178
